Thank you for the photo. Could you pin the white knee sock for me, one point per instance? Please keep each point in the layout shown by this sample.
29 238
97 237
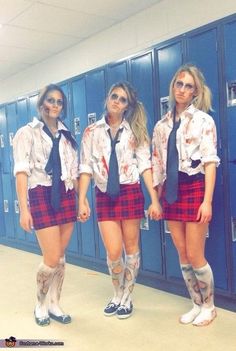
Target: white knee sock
116 270
131 271
205 279
44 278
191 283
54 292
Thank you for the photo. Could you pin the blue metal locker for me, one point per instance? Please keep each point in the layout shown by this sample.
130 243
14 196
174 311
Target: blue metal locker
169 59
12 124
8 207
2 229
86 237
202 51
142 79
32 112
22 119
116 72
5 145
95 99
73 244
230 77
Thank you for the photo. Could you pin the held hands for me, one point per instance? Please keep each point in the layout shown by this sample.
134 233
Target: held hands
155 211
84 211
204 212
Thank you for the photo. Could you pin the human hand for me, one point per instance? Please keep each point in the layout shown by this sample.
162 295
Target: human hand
26 221
83 211
155 211
204 214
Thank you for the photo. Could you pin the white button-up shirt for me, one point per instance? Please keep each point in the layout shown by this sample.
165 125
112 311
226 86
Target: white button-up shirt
31 150
96 150
196 140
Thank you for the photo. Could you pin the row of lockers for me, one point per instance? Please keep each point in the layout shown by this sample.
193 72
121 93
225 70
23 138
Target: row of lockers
213 49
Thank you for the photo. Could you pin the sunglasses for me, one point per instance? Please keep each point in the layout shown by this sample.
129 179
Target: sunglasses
53 101
121 99
180 85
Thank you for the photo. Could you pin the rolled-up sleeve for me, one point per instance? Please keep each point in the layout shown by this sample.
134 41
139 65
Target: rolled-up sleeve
22 145
208 146
86 153
158 168
143 156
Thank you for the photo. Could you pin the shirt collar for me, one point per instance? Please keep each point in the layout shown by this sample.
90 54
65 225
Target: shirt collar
37 123
102 122
189 112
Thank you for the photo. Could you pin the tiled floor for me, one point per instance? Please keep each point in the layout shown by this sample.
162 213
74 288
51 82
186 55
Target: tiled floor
154 325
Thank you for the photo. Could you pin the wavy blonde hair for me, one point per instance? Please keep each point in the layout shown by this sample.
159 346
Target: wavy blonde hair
135 113
202 98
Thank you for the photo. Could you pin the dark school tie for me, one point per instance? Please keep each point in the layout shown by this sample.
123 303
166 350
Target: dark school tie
53 168
113 182
171 193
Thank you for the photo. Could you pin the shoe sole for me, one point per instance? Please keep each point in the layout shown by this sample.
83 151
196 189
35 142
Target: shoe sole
109 314
59 319
125 316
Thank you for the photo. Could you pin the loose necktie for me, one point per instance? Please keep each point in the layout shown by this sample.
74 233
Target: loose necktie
113 182
171 193
53 168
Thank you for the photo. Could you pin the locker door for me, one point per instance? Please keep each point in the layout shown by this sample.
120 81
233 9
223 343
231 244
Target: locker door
169 59
142 80
5 146
116 73
8 207
32 111
86 239
73 244
230 76
12 123
202 51
2 229
95 98
22 119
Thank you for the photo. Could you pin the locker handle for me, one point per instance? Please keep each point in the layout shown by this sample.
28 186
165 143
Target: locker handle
233 161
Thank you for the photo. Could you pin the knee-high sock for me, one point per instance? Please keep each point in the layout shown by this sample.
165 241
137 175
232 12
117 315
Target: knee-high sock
56 286
44 278
132 264
205 279
191 283
116 270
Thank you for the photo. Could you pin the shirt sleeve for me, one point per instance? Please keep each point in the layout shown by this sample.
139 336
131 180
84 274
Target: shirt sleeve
208 146
143 156
22 146
86 153
157 158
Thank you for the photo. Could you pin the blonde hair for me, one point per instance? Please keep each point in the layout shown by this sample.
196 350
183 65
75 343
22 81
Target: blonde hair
202 98
135 113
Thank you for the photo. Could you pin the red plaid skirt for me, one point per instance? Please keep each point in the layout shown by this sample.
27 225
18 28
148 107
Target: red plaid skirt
42 212
190 197
129 204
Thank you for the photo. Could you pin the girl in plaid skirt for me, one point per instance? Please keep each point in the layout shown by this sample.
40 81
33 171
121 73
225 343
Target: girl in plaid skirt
46 170
187 206
115 152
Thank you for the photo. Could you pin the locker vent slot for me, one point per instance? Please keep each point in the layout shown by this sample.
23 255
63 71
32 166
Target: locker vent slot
92 117
77 125
144 225
164 105
233 221
231 93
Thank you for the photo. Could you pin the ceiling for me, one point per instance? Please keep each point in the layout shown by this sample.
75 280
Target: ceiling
33 30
